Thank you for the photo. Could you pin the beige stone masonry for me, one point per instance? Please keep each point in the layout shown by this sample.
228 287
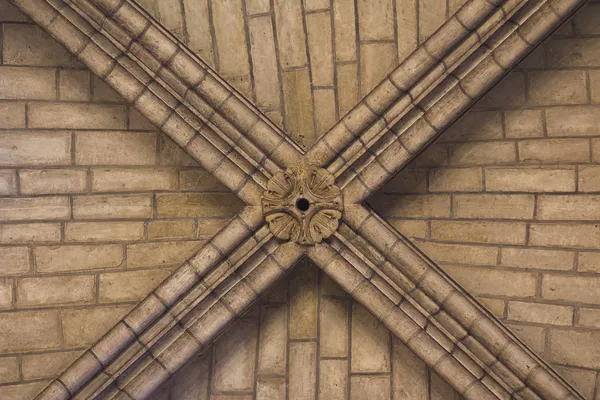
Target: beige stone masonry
434 316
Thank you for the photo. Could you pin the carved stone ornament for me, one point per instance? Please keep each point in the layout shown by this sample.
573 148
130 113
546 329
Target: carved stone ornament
303 205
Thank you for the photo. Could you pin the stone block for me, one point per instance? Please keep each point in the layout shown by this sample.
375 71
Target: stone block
83 327
413 206
230 35
35 148
334 328
477 153
584 289
115 148
133 179
27 84
320 46
530 179
544 259
377 60
548 314
524 123
104 231
459 253
28 44
74 85
264 61
303 303
557 87
370 387
333 379
161 253
573 121
494 282
53 181
494 206
15 260
199 179
565 348
171 229
187 205
12 115
302 379
554 150
131 285
272 347
479 231
456 180
8 182
75 258
290 33
234 358
45 291
38 366
9 368
34 208
77 116
370 343
565 235
298 105
112 206
42 327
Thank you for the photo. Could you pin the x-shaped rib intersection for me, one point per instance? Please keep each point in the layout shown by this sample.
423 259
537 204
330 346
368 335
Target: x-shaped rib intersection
298 194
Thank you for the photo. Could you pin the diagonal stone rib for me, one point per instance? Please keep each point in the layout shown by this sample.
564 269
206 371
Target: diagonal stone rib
518 369
192 326
152 93
211 274
230 108
397 134
416 328
415 77
468 351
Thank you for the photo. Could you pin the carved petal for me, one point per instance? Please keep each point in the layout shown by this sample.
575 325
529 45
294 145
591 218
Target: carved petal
323 224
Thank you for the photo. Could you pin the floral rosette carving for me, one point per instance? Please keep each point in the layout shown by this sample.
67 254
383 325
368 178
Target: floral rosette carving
303 205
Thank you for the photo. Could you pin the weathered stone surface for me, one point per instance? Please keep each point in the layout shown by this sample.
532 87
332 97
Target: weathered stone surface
272 352
370 342
76 116
115 148
33 292
42 327
28 44
27 84
35 148
129 286
50 181
73 258
82 327
235 358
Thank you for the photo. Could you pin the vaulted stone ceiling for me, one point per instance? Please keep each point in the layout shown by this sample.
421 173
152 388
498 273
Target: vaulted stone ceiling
501 117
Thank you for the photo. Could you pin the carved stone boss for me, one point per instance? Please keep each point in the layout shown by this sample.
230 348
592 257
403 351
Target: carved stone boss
302 204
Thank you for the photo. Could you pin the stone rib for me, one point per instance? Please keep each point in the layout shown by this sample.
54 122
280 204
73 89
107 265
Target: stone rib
218 259
210 99
537 376
231 111
153 101
420 333
454 95
473 351
394 138
191 330
412 79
